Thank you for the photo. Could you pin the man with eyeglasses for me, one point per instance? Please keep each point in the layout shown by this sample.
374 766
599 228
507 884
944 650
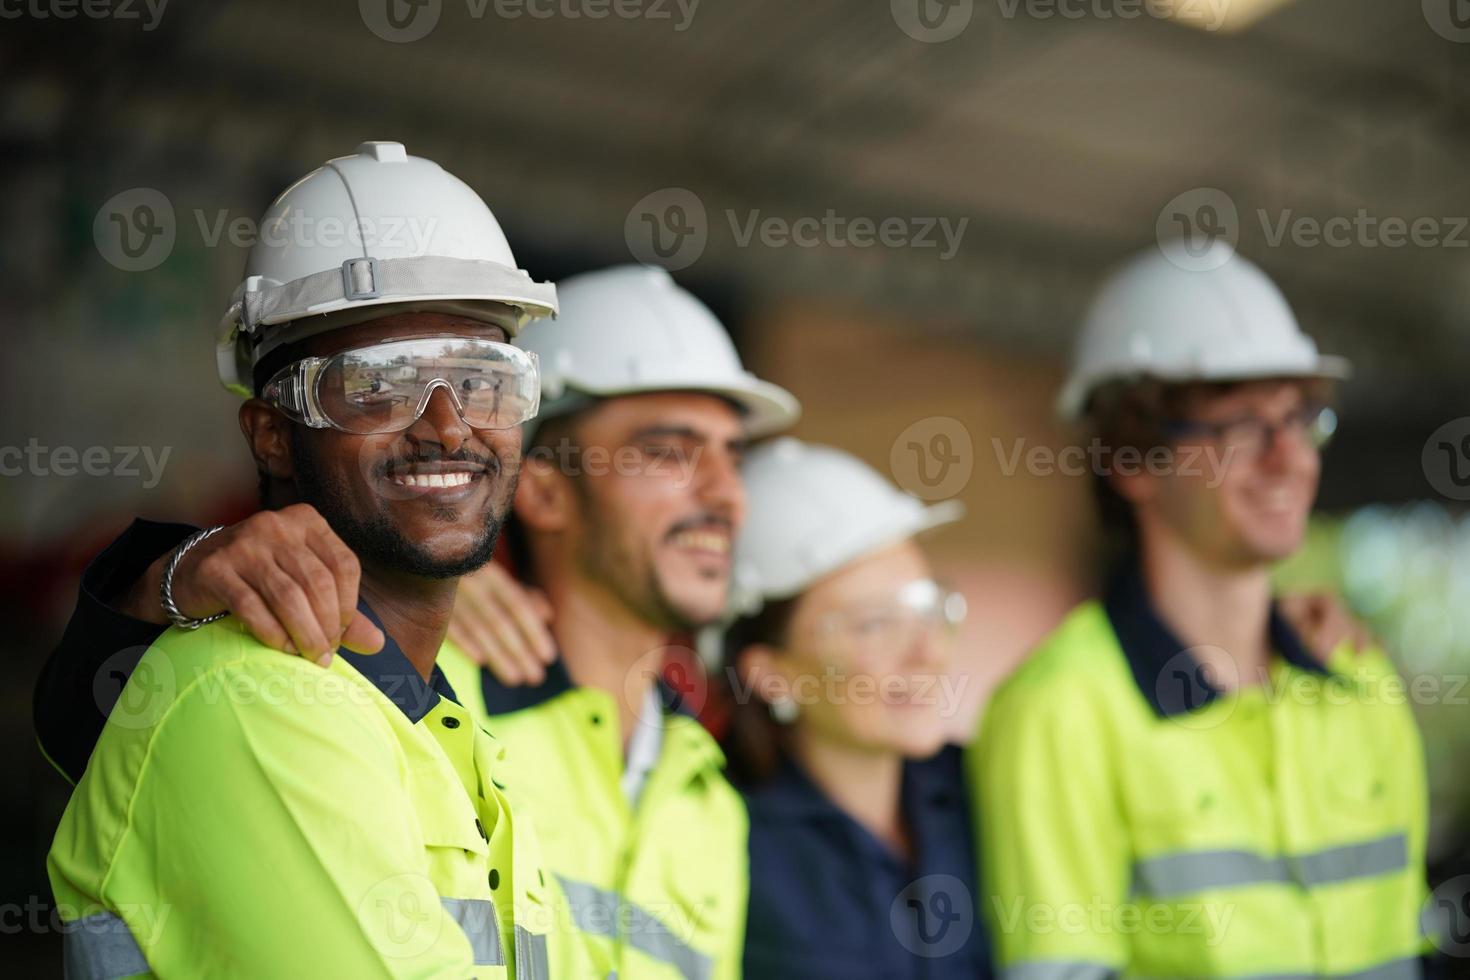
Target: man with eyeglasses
1172 785
244 813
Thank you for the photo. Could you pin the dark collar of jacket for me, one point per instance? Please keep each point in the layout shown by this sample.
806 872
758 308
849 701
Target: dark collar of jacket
1167 675
390 671
789 793
502 700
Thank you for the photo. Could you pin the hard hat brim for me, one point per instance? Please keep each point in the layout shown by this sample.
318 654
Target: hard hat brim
767 408
1071 404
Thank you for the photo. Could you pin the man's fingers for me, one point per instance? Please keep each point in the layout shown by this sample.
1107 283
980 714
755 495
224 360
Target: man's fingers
289 604
319 585
509 641
489 648
246 605
540 605
361 636
345 568
468 644
533 632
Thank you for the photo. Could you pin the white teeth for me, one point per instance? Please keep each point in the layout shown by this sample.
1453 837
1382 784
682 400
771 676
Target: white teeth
704 540
428 480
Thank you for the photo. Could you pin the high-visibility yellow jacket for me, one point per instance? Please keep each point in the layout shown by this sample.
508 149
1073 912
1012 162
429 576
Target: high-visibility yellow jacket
657 889
248 814
1136 821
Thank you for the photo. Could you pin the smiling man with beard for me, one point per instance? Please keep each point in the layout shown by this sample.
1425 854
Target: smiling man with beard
629 498
247 814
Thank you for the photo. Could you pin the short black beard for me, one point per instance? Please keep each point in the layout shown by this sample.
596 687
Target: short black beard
377 541
603 558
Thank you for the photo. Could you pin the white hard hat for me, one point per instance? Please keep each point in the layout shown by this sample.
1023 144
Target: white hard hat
813 509
375 229
632 329
1183 317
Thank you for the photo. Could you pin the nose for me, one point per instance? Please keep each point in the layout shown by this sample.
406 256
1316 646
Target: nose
718 484
439 424
928 647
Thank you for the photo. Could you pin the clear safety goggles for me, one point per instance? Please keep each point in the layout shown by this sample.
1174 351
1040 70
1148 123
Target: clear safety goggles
881 630
387 386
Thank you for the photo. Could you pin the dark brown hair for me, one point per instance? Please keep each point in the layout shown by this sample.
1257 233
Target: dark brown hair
1134 415
755 743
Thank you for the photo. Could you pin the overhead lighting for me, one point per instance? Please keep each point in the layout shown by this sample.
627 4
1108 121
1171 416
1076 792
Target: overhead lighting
1219 16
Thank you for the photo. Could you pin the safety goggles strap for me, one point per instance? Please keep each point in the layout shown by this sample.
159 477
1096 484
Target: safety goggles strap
421 277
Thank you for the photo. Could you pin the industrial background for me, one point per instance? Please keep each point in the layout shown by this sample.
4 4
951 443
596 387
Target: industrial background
1014 150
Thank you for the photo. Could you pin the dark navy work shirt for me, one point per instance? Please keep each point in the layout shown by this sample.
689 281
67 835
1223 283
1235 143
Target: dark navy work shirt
829 900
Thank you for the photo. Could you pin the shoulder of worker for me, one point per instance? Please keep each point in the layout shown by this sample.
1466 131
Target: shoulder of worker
241 682
1077 658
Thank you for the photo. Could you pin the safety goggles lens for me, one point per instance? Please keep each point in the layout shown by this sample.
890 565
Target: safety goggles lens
892 627
386 387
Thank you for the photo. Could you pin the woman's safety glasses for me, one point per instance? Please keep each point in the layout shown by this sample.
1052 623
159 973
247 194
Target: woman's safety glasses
882 630
386 387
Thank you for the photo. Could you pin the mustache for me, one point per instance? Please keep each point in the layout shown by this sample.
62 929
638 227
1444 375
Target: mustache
708 519
430 454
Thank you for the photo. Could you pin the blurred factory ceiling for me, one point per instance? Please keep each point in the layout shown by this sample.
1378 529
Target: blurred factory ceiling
1059 139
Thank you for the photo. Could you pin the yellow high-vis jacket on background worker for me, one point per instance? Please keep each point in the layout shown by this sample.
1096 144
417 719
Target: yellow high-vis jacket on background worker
1135 821
248 814
656 886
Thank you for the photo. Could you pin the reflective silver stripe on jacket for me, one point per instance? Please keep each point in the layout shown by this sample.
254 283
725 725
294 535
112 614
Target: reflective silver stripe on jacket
1190 872
477 917
596 911
100 947
531 959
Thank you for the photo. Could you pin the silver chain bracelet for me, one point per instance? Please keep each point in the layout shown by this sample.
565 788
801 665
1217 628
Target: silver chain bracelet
166 586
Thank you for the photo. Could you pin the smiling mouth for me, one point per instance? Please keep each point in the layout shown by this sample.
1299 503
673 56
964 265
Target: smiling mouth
435 475
428 480
714 542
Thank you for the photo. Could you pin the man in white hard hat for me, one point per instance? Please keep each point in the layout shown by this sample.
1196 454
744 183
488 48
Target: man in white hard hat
628 502
244 813
1172 785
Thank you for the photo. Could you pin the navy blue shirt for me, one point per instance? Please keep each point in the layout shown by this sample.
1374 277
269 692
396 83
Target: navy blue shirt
828 899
